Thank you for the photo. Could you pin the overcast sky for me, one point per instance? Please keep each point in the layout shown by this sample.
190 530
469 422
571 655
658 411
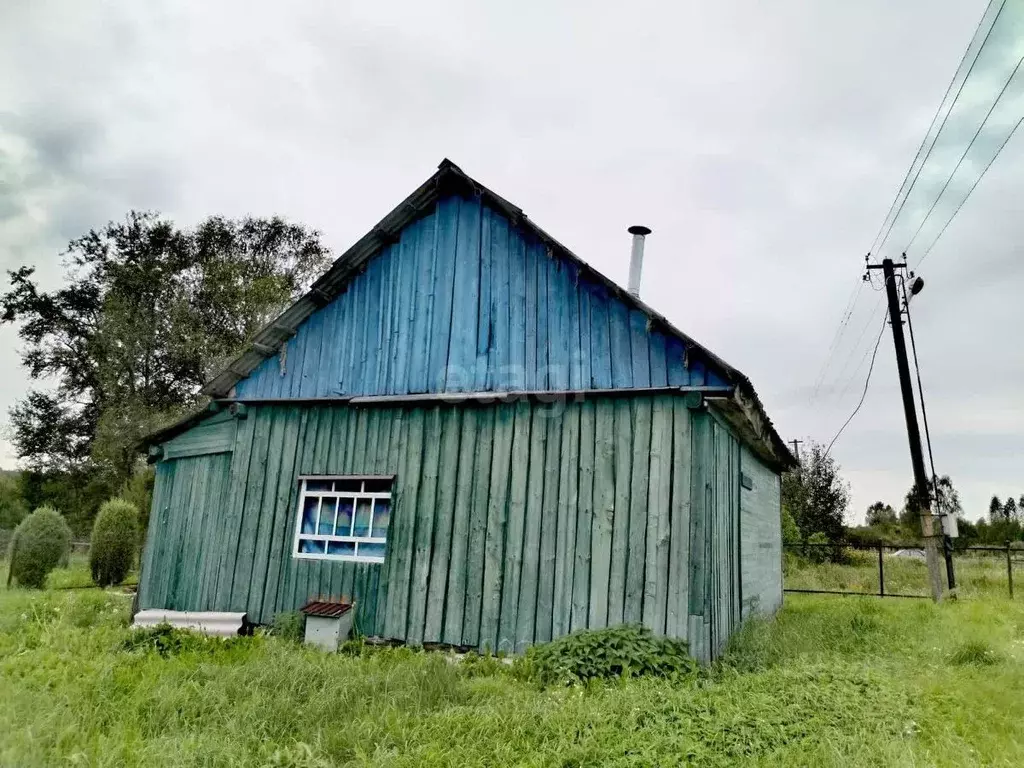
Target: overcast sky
762 142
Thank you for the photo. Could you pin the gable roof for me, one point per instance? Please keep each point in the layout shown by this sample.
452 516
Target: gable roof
746 413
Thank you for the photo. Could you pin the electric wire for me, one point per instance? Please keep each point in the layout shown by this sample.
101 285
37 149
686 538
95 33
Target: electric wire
903 193
844 321
969 192
920 395
851 355
965 153
876 245
863 394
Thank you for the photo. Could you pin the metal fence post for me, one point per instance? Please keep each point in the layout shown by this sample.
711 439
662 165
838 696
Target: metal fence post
1009 569
881 572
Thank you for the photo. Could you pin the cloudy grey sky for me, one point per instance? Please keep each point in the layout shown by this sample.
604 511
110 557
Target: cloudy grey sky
763 143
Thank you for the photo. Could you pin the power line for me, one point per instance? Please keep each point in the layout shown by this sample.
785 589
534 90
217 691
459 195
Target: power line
876 245
852 354
965 153
971 190
920 390
863 394
907 186
844 321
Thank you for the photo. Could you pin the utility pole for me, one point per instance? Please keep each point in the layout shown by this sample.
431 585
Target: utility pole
796 448
919 498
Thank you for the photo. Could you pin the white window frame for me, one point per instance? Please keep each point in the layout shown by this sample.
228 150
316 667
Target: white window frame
355 497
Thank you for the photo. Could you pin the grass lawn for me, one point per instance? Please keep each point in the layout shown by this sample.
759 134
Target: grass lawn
978 574
832 681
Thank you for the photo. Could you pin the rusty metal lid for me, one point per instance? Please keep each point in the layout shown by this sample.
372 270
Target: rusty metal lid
326 608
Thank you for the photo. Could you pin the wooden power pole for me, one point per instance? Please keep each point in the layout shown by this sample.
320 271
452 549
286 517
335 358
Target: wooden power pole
920 497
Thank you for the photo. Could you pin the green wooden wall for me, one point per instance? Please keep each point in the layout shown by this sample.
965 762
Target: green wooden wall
512 523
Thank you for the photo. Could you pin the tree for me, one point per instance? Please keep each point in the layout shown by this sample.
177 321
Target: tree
149 311
816 495
1010 509
790 531
12 506
995 509
881 514
941 496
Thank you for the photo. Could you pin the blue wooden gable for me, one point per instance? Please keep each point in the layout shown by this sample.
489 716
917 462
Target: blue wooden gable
465 300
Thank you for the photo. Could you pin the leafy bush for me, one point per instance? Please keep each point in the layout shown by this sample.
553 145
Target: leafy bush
817 551
790 531
165 640
289 625
115 535
627 650
39 544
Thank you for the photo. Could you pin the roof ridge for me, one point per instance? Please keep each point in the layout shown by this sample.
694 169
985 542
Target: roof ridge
447 178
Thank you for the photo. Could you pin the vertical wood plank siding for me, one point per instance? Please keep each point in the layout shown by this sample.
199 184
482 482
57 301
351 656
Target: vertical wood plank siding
466 300
512 523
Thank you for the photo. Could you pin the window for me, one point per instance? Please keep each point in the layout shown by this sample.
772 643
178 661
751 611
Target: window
343 518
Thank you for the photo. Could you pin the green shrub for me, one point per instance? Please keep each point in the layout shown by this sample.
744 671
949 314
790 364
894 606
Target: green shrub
816 551
627 650
165 640
115 535
289 625
39 544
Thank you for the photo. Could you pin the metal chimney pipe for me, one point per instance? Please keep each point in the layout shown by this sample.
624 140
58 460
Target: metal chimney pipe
636 257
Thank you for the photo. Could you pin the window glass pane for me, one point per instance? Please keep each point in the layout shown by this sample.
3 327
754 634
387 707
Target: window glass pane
371 550
327 517
348 486
362 518
309 514
344 518
346 548
312 547
378 486
381 517
318 485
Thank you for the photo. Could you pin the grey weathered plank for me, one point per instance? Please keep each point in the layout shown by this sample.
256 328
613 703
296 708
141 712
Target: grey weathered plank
679 542
444 511
632 611
584 520
549 528
527 611
425 519
403 524
659 494
516 524
604 512
479 512
568 497
623 473
497 518
459 561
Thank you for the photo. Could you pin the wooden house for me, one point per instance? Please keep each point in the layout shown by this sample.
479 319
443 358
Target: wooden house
480 440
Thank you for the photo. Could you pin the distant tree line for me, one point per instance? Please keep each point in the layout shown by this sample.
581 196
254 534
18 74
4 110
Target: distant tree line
816 499
147 313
